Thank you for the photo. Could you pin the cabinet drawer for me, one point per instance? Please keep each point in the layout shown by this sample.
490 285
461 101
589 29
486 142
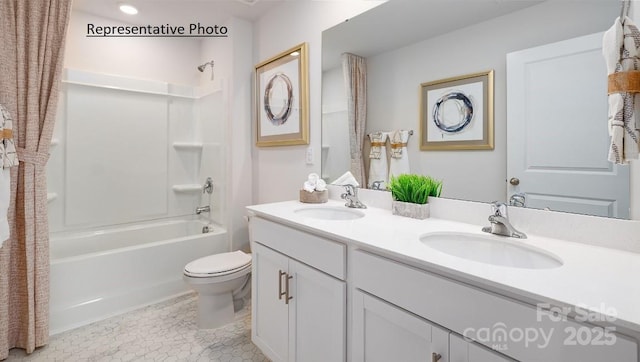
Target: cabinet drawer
516 329
323 254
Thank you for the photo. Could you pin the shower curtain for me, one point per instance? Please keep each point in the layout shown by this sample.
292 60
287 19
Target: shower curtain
355 80
32 35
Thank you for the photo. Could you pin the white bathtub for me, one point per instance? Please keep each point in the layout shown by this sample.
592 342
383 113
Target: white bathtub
95 275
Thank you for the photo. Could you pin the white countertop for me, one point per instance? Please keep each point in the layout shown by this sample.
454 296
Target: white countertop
592 278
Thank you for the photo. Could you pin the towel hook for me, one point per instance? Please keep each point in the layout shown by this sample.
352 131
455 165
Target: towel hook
624 10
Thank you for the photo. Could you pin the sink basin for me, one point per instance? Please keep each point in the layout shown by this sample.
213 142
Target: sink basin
330 213
491 249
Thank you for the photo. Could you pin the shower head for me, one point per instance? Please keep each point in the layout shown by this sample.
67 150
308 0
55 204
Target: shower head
202 67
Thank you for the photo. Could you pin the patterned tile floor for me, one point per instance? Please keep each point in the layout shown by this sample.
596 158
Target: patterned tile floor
160 332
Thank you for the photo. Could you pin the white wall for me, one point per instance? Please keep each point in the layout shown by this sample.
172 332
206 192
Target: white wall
167 59
394 84
240 140
335 125
280 171
233 60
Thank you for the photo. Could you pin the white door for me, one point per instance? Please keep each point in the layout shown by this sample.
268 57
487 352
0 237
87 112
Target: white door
461 350
317 318
270 315
557 135
383 332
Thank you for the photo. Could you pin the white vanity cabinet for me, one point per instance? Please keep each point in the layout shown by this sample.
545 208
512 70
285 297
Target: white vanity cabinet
405 307
470 311
384 332
299 294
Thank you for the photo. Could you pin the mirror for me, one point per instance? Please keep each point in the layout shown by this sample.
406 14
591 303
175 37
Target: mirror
407 43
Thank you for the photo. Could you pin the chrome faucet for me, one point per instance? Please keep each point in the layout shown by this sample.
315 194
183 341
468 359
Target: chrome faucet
201 209
500 224
351 195
377 185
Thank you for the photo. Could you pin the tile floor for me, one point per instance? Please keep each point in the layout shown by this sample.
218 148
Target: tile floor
161 332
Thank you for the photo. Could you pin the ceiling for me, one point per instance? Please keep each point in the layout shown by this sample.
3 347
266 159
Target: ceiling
398 23
157 12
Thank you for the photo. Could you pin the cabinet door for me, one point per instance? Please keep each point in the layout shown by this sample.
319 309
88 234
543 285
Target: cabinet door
270 317
460 350
317 320
384 332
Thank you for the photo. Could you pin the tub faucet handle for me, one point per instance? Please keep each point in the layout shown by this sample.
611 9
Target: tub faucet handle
208 186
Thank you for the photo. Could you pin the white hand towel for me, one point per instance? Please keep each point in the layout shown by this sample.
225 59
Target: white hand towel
8 159
308 186
8 155
346 179
399 163
313 178
378 167
5 194
313 182
321 185
621 40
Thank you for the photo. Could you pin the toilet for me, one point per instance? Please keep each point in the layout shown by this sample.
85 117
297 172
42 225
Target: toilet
221 280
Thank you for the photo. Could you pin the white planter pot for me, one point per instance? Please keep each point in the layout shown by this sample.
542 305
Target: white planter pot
416 211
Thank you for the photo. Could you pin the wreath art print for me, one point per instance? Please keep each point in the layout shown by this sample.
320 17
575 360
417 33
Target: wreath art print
282 99
457 113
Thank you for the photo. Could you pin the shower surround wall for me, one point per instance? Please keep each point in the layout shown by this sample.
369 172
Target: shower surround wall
127 166
129 150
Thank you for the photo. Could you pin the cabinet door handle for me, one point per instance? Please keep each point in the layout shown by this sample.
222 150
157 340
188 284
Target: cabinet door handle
280 292
435 357
287 298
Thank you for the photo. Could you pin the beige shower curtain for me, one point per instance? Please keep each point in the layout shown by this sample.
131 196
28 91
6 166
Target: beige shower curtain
354 70
32 35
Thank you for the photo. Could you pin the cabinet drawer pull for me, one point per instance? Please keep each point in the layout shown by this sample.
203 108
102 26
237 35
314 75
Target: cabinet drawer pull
287 298
280 292
435 357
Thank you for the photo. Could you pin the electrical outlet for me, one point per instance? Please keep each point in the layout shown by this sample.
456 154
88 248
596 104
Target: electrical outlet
309 156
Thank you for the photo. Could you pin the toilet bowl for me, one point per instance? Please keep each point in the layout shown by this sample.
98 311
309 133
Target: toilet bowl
221 281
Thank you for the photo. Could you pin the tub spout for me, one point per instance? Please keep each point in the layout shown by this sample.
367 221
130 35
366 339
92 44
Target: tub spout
201 209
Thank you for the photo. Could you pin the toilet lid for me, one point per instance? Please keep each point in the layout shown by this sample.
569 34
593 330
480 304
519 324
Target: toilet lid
218 264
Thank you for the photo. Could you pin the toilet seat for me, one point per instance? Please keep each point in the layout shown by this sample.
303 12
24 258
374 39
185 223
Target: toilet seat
218 265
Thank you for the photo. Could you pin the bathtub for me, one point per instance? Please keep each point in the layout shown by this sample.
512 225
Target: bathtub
98 274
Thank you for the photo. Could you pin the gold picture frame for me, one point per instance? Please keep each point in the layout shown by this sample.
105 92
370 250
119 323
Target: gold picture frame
457 113
282 99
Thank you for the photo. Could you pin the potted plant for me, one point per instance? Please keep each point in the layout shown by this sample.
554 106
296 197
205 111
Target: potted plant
411 193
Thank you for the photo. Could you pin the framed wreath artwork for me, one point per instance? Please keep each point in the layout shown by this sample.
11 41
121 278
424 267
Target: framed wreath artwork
282 99
457 113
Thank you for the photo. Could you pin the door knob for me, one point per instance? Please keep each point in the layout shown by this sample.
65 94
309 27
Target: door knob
435 357
514 181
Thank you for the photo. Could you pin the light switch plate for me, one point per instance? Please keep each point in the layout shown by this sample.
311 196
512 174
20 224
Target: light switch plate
309 156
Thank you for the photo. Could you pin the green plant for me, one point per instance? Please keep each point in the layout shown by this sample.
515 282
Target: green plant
415 189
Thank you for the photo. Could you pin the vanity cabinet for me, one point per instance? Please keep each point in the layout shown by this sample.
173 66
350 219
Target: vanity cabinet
299 309
400 309
480 315
384 332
